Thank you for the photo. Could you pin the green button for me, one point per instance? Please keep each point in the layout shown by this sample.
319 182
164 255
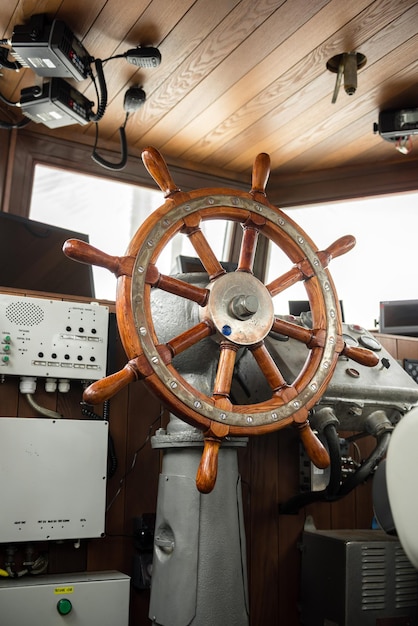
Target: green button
64 606
5 359
6 347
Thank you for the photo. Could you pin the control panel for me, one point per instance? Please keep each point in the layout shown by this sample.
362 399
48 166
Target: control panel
52 338
52 479
411 366
93 598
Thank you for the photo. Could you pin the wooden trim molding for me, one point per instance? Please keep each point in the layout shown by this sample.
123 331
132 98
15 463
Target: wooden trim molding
27 148
32 148
344 183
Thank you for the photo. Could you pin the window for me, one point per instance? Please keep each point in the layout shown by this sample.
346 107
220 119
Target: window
109 213
382 265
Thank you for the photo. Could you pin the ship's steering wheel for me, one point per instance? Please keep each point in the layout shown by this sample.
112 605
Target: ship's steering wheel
235 309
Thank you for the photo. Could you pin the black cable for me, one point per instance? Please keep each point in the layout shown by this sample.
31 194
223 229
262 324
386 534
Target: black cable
9 125
124 150
331 493
112 459
293 505
8 102
101 91
137 451
4 61
367 468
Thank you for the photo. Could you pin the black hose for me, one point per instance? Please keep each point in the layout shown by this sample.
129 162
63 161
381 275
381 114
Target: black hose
368 466
293 505
337 489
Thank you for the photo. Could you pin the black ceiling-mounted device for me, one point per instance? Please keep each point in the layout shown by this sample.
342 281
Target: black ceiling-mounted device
50 49
147 57
56 104
134 99
396 124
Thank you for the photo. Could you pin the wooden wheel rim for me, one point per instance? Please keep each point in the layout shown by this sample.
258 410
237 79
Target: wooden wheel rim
133 302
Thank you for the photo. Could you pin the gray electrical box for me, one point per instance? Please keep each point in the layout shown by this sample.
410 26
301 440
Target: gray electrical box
356 578
85 599
52 478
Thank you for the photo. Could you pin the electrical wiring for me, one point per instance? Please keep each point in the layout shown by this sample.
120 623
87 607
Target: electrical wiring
101 90
40 409
124 150
8 102
39 566
134 458
10 125
112 457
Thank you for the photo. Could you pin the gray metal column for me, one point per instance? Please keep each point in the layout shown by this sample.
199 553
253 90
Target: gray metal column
199 575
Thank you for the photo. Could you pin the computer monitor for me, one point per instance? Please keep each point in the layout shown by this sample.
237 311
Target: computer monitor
296 307
399 317
31 257
191 265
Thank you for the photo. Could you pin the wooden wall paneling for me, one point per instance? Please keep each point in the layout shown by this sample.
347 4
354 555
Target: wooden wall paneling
113 551
4 156
264 549
407 348
289 528
9 397
389 342
141 482
67 556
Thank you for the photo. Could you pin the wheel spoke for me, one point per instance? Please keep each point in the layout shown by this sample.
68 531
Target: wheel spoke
312 338
303 269
285 281
189 338
201 245
176 286
85 253
225 371
269 368
249 244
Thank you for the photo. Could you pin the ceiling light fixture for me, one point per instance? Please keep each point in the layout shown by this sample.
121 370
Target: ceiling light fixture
346 65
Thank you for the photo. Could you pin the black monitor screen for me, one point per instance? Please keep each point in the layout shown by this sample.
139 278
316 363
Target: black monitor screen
191 265
31 257
296 307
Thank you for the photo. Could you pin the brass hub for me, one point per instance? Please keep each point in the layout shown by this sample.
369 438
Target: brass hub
240 307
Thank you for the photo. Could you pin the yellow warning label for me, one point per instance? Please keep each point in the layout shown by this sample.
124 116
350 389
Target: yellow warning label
63 590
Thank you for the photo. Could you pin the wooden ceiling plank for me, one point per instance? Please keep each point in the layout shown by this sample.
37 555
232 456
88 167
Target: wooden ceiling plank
107 35
350 142
223 120
349 113
311 68
202 78
9 16
155 27
269 130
